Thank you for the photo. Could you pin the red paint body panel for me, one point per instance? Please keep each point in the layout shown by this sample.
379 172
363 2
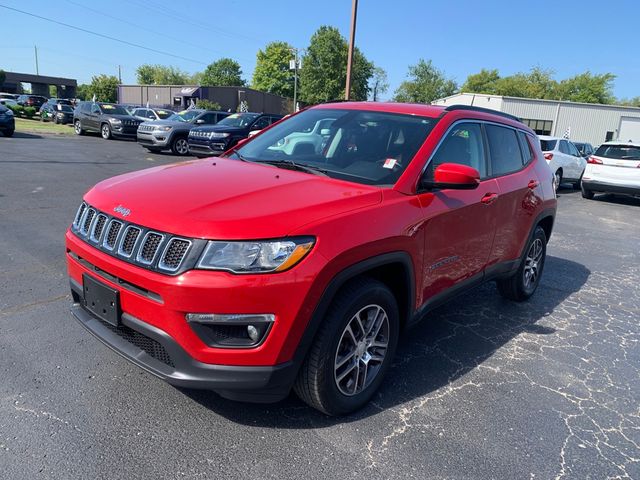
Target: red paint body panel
449 235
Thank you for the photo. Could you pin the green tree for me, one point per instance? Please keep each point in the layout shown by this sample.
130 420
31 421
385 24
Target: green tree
272 72
161 75
587 87
82 91
378 85
538 83
207 104
104 87
324 69
482 82
629 102
225 72
426 83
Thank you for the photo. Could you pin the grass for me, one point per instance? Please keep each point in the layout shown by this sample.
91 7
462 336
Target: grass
36 126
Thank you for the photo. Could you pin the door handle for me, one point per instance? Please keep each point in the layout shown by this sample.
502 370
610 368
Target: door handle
489 198
533 184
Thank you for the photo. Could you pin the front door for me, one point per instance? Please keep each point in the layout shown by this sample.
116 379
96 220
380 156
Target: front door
460 224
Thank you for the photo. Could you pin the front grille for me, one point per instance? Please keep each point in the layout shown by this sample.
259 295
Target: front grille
150 346
129 240
146 128
135 244
149 248
88 218
174 254
198 134
98 227
112 234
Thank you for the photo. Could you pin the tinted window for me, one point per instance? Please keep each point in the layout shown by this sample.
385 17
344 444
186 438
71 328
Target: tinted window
110 109
86 107
564 147
619 152
364 147
239 119
208 118
463 145
261 123
527 153
504 148
548 145
573 150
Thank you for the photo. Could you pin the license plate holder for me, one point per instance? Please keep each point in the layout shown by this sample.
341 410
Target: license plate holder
101 300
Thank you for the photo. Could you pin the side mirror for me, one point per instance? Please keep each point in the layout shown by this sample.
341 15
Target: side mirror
453 176
325 132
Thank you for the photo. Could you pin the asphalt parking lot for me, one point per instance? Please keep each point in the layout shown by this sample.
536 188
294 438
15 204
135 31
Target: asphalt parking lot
484 388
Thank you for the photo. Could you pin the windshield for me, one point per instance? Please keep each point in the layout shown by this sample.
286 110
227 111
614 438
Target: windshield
238 120
64 108
188 115
619 152
175 118
372 148
548 145
113 109
164 114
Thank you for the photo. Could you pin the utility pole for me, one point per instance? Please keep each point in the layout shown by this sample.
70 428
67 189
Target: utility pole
295 77
119 75
352 40
37 69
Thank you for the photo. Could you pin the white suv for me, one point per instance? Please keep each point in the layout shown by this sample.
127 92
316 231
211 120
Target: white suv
614 168
563 159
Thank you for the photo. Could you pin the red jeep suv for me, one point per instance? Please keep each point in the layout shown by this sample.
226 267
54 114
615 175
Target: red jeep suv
298 258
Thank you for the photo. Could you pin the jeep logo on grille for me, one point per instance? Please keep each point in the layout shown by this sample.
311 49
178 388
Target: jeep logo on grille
122 211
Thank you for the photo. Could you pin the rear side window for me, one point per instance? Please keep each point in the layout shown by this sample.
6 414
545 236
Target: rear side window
525 146
463 145
573 150
564 147
619 152
548 145
504 149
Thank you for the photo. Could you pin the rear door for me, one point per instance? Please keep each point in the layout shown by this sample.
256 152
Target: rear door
460 224
520 193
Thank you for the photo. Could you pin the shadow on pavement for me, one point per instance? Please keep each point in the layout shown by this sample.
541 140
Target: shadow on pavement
447 344
18 134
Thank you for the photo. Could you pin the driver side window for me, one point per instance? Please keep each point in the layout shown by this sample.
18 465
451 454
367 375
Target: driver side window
463 145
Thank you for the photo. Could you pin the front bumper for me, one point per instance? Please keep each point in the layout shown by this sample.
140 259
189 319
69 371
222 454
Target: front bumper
154 139
156 352
610 187
124 130
212 148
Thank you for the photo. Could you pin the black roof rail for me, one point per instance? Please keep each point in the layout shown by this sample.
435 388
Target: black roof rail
452 108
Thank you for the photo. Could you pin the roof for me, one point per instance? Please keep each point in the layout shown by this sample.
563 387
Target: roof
391 107
622 142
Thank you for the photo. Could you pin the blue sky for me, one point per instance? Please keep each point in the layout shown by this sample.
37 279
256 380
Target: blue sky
461 36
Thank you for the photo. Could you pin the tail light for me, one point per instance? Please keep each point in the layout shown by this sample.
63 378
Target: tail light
594 161
548 157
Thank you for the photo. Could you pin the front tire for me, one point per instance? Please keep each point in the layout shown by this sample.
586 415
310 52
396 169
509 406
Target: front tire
557 178
522 284
180 146
588 194
9 133
77 128
352 350
105 131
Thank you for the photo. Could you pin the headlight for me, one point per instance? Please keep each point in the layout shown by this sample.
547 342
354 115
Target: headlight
255 257
218 135
162 129
115 121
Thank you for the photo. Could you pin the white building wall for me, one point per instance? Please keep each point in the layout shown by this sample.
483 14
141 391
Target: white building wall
588 122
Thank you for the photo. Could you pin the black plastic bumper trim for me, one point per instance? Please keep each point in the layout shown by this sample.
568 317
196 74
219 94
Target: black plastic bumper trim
244 383
610 188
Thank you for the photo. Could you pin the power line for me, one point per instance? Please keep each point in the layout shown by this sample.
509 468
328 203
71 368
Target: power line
131 44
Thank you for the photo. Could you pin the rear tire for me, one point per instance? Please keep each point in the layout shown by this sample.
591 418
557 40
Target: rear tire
557 178
522 284
77 128
588 194
353 349
9 133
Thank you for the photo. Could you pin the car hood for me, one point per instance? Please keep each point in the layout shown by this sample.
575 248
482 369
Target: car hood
228 199
220 128
170 123
120 117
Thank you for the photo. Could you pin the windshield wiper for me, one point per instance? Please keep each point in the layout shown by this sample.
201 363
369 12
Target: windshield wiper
291 165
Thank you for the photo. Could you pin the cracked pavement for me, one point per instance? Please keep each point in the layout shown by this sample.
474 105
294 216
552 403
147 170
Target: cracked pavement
483 388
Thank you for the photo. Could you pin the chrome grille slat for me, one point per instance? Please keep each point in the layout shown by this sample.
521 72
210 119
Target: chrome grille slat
149 247
174 254
131 243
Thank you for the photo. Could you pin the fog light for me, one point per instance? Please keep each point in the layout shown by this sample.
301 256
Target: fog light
231 330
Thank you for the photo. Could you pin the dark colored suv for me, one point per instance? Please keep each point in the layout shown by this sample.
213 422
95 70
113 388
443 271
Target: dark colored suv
7 121
213 140
31 101
110 120
297 258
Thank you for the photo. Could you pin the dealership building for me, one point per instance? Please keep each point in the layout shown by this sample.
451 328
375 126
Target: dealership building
179 97
585 122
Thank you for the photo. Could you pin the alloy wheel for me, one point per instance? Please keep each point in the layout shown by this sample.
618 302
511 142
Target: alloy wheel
182 146
533 264
361 350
